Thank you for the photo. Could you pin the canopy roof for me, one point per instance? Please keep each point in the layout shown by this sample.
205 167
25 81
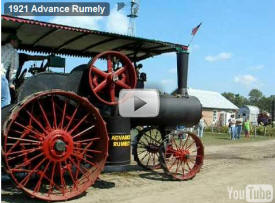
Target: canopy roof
52 38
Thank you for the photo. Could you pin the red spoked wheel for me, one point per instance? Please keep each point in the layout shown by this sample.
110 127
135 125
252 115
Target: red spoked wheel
181 156
146 148
106 83
55 145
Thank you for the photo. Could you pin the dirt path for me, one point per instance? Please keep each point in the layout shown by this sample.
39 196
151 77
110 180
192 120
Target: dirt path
225 166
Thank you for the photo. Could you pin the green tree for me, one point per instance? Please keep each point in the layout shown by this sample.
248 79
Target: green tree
240 100
254 96
236 99
230 96
265 103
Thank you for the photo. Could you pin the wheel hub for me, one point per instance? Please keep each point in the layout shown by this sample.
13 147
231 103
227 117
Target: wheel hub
152 148
58 145
115 77
182 155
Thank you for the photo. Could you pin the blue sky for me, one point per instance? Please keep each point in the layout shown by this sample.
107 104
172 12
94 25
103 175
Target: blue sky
234 50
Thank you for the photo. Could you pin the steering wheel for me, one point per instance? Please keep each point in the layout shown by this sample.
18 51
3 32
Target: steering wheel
35 70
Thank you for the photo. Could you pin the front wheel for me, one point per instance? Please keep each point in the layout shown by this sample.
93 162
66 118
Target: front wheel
181 155
146 148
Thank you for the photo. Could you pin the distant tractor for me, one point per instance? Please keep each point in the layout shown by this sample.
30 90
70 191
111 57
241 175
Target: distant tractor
62 128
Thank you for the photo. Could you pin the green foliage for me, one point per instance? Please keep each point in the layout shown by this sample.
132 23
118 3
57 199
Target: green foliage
256 98
236 99
260 130
224 138
219 129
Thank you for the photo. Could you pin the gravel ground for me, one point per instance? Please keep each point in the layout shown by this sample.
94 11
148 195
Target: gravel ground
225 166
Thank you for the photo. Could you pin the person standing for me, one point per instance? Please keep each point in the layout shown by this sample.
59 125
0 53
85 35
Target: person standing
201 125
9 66
239 124
247 128
232 124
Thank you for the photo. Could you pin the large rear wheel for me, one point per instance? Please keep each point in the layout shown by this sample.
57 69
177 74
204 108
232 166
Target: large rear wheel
55 145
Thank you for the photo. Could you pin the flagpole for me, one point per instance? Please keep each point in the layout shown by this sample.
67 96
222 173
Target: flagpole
191 40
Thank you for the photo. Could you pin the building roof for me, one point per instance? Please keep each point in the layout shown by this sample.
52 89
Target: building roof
50 38
252 109
212 100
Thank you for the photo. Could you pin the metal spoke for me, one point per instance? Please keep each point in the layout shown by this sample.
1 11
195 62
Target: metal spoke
77 166
99 72
62 181
52 178
21 139
22 153
18 141
26 128
61 125
44 114
100 86
88 140
30 160
109 64
120 71
27 178
36 121
89 162
112 94
123 85
90 150
74 113
71 175
79 123
37 187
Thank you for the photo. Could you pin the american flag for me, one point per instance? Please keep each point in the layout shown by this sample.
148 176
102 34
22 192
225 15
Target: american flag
195 29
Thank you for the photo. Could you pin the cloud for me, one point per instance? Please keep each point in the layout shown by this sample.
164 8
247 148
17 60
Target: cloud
172 70
246 80
89 22
28 17
256 68
219 57
117 22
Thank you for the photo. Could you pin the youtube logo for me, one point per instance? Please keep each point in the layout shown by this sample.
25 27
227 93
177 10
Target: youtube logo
138 103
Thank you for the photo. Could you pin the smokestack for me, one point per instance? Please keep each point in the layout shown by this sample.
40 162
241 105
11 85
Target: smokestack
182 70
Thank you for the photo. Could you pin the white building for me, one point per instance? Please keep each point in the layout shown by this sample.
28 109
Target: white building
249 112
216 108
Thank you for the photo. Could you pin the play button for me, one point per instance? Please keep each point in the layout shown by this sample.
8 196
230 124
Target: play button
138 103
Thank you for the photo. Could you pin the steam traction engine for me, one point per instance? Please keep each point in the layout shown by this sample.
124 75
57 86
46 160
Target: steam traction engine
62 128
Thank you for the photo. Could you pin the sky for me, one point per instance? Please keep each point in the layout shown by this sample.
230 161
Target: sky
233 51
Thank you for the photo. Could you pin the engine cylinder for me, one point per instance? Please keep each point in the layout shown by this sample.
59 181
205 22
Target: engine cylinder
174 111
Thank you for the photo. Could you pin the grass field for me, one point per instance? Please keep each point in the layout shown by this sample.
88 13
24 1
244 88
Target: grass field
224 138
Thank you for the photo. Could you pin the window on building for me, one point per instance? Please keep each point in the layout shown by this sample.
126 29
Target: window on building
214 116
